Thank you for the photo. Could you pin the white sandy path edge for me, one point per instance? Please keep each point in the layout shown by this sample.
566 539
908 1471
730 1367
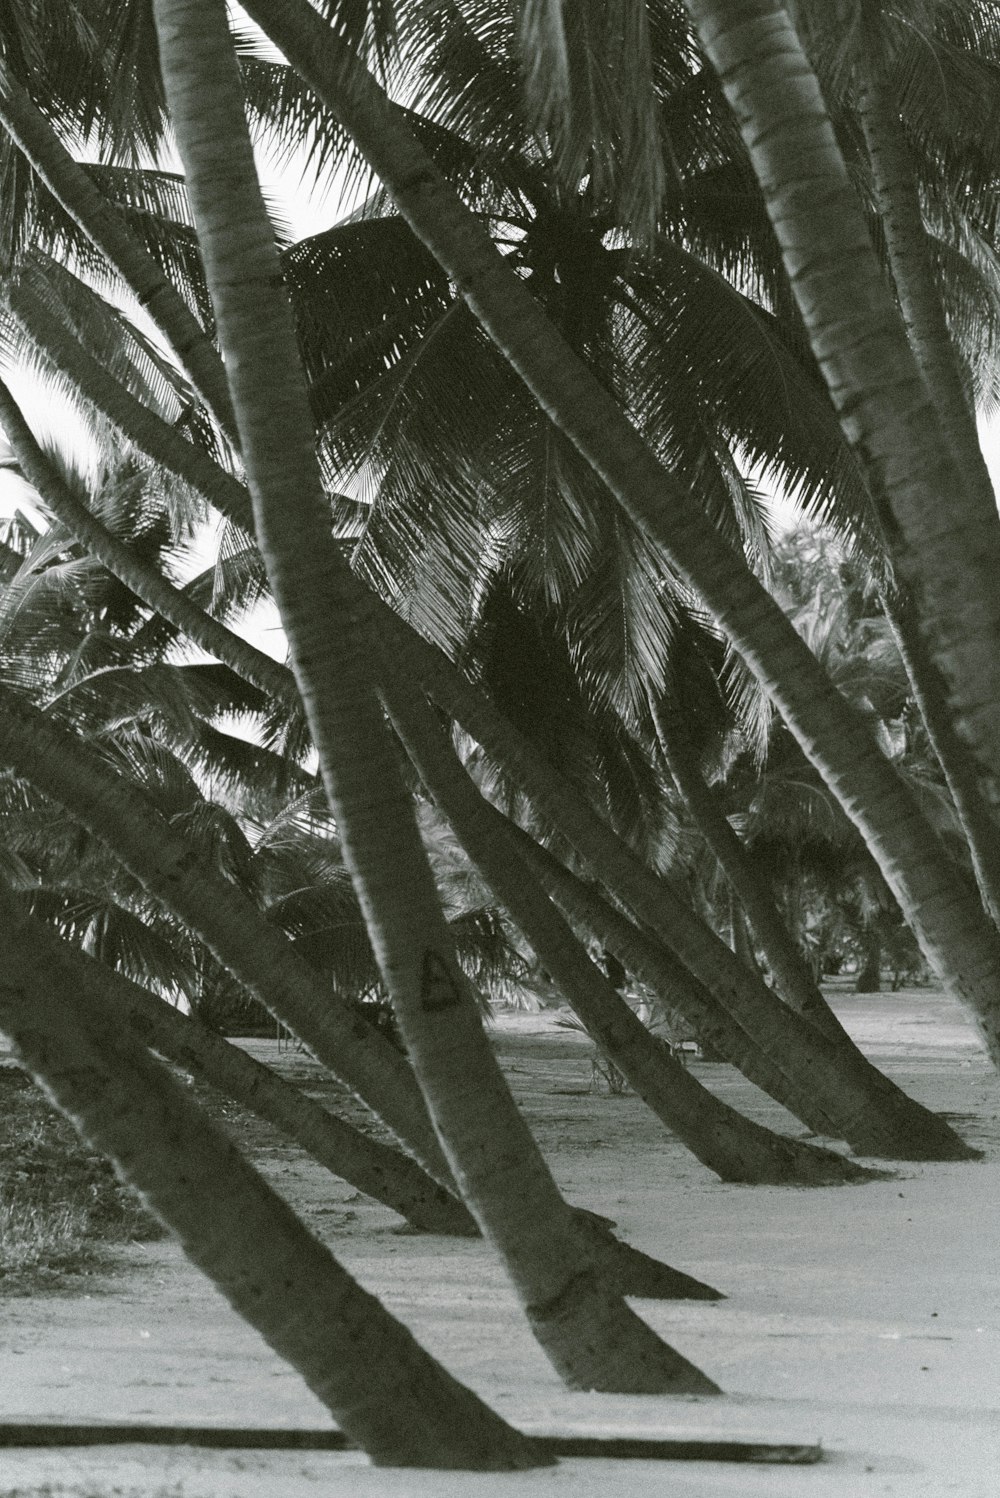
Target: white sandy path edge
865 1317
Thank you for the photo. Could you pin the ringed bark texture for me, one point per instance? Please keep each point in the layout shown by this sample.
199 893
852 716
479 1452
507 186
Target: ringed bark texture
591 1335
388 1394
959 942
948 540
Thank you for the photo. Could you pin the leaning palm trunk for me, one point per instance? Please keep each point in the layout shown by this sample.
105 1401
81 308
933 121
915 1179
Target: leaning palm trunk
260 956
824 1081
643 955
363 1162
978 822
589 1333
733 1146
632 1272
792 976
958 941
101 222
148 432
897 202
887 410
139 576
215 484
381 1387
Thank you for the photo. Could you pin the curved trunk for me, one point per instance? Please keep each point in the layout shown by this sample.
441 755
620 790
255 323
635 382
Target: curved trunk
654 964
374 1168
101 222
919 464
828 1084
160 441
792 976
590 1334
143 579
959 768
897 202
958 941
731 1145
259 955
630 1271
378 1383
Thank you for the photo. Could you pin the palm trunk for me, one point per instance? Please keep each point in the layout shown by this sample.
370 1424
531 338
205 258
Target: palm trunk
729 1144
897 202
144 580
381 1387
869 979
959 768
153 436
591 1336
886 408
376 1169
958 941
631 1271
255 952
425 661
100 221
792 976
826 1083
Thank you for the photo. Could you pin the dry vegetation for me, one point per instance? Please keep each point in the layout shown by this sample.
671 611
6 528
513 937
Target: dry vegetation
60 1204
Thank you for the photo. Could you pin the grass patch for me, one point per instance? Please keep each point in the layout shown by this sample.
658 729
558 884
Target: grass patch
60 1203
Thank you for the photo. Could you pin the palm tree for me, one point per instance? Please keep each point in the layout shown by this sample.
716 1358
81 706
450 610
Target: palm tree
720 1138
861 344
381 1387
590 1334
954 933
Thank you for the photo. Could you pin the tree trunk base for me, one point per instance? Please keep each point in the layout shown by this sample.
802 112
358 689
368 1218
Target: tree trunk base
596 1342
929 1138
629 1271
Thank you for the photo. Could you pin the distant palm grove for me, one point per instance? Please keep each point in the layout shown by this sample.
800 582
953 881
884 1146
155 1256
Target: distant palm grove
569 715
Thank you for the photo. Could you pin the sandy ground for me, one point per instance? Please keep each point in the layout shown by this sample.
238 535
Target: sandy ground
865 1317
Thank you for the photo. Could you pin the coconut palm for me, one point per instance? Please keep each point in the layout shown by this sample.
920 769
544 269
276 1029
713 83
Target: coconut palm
394 1399
954 933
593 1337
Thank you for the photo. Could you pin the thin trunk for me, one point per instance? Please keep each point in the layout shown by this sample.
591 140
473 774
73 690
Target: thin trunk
957 939
590 1334
739 934
160 441
381 1387
731 1145
829 1085
363 1162
979 824
897 202
869 979
141 577
259 955
790 972
103 225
